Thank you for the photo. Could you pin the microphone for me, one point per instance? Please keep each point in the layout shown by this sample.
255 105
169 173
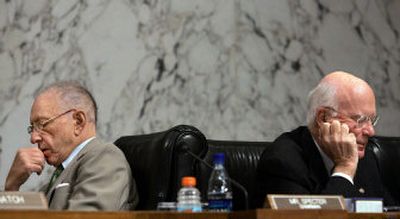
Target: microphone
186 149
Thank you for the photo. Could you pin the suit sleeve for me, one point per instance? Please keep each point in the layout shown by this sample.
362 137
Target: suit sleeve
103 182
338 185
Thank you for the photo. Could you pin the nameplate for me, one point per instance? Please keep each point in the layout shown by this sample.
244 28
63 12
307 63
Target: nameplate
296 202
368 205
23 200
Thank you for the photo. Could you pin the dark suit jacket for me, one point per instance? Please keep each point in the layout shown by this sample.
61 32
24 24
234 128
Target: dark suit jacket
98 178
293 165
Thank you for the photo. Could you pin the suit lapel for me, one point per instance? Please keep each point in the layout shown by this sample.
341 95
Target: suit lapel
318 174
67 175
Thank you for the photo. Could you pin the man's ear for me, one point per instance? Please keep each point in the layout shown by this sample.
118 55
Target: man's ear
321 116
80 121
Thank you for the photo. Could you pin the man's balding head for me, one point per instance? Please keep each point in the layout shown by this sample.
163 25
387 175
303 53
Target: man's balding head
73 95
337 89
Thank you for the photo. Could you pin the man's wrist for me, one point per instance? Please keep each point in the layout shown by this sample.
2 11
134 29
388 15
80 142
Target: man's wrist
11 188
348 169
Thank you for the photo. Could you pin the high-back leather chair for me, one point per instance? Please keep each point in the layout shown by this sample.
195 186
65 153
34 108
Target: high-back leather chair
387 151
159 161
158 164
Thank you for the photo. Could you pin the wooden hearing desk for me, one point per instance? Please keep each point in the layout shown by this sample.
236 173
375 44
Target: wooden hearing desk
252 214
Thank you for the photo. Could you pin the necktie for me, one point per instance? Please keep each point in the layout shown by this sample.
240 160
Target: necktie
55 175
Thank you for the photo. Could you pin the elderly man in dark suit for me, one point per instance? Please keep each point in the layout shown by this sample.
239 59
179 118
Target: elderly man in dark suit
331 155
90 174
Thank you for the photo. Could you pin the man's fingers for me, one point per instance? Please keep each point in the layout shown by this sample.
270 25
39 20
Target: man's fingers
336 130
37 168
352 137
353 141
39 162
345 128
325 131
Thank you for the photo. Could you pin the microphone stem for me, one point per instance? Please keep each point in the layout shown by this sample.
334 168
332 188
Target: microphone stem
199 159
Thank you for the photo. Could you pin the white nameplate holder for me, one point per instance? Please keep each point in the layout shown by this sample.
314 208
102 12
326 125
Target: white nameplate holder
23 200
297 202
367 205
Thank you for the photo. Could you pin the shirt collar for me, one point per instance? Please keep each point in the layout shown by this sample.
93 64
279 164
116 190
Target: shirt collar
75 152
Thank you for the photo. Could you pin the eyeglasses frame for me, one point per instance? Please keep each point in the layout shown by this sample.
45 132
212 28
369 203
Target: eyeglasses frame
39 126
361 120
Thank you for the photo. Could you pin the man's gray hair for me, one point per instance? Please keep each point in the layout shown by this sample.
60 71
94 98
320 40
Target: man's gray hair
324 95
74 96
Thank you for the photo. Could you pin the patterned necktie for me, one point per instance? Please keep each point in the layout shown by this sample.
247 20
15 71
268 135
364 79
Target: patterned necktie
55 175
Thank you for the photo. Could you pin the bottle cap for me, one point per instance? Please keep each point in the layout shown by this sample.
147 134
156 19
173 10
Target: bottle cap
188 181
219 158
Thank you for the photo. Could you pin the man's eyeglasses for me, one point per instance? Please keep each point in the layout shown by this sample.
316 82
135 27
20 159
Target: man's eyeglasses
361 120
39 126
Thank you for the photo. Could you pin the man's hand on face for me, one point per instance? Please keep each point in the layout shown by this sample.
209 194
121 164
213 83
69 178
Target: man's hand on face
340 145
26 161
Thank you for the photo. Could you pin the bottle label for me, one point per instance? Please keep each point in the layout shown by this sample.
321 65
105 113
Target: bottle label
220 204
189 208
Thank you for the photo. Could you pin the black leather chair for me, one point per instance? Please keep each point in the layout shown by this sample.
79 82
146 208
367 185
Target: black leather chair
387 151
160 160
158 164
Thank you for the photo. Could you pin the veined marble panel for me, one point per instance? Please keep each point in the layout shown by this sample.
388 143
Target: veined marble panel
235 69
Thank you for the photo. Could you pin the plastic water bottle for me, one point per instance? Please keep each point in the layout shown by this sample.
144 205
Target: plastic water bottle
219 192
189 196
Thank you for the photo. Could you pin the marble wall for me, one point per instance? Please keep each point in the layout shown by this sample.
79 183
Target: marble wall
236 69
